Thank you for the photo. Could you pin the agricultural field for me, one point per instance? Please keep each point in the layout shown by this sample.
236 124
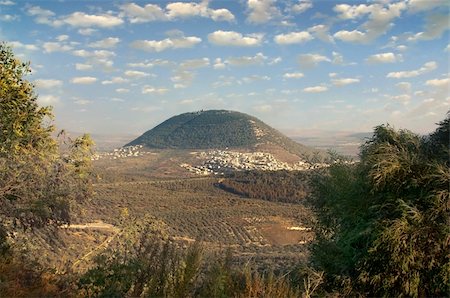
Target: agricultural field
185 207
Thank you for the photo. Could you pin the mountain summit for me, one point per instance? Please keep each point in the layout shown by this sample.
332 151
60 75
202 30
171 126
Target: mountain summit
216 129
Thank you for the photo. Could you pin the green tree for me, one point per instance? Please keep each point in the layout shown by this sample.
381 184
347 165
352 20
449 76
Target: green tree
384 223
38 181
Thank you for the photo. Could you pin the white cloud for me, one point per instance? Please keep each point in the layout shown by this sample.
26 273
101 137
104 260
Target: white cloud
97 54
447 49
86 31
115 80
384 58
404 86
403 98
45 100
258 59
293 75
218 64
344 81
136 74
380 17
435 26
262 11
321 32
315 89
351 36
43 16
149 89
8 17
48 84
83 80
7 2
275 61
83 66
182 78
311 60
192 9
147 13
194 63
50 47
107 43
254 78
231 38
165 44
175 10
151 63
302 6
424 5
293 38
337 58
427 67
122 90
19 45
82 102
81 19
438 82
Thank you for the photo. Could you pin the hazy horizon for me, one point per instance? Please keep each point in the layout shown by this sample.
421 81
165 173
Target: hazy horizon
299 66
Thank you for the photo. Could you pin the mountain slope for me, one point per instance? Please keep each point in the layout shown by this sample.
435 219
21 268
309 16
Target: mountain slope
217 129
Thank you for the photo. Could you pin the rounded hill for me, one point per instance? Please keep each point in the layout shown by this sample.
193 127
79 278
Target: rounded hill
216 129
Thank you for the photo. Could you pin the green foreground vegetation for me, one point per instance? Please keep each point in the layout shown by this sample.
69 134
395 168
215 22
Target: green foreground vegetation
382 224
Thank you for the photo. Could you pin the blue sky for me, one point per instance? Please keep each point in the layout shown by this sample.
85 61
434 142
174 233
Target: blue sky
300 66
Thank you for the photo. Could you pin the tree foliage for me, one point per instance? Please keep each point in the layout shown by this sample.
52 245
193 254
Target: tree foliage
384 223
38 180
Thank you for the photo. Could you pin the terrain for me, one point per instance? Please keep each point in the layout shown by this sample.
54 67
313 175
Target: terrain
220 129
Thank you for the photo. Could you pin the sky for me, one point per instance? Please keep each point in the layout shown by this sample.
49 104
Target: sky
122 67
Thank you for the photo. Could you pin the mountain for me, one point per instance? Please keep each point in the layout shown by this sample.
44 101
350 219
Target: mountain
218 129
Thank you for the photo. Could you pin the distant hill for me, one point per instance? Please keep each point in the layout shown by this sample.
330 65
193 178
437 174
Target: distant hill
218 129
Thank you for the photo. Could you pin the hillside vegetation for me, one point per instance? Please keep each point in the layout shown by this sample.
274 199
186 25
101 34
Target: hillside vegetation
218 129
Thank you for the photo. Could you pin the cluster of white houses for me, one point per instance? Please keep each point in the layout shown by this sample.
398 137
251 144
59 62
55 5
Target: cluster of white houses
219 162
124 152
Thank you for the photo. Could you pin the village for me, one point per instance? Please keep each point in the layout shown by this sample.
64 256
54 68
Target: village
221 162
123 152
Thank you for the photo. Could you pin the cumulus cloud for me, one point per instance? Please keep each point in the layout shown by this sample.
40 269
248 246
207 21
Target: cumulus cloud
97 54
321 32
302 6
83 66
182 78
258 59
149 90
254 78
293 38
262 11
43 16
438 82
50 47
427 67
115 80
379 20
293 75
172 11
137 74
194 63
384 58
82 102
435 26
122 90
403 98
48 83
315 89
344 81
176 42
107 43
231 38
219 64
87 31
8 18
404 86
19 45
83 80
7 2
424 5
45 100
81 19
311 60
